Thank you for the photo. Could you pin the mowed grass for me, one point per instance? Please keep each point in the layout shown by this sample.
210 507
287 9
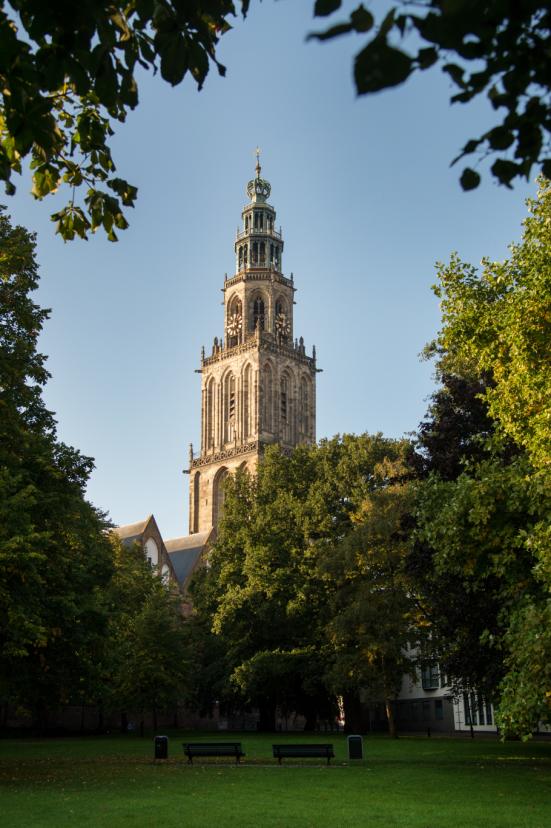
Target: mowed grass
412 781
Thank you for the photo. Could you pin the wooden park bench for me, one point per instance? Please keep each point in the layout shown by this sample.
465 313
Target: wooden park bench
192 749
303 752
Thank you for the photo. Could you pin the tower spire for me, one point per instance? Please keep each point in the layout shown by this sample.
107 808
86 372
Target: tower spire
258 167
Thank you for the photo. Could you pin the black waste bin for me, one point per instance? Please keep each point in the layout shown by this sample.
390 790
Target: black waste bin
161 747
355 747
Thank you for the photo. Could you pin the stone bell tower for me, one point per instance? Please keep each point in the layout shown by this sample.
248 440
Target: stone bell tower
258 385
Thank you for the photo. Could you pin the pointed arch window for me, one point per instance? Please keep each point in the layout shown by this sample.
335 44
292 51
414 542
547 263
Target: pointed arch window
218 495
247 383
284 400
304 413
196 497
229 408
209 416
258 314
268 399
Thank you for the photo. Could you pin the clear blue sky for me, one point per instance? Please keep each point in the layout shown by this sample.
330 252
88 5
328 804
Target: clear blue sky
367 203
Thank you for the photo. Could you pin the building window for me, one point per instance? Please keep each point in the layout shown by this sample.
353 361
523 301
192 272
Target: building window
283 400
438 710
151 552
268 399
229 408
196 495
430 677
258 314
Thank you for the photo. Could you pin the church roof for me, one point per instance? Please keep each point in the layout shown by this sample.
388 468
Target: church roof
185 553
132 531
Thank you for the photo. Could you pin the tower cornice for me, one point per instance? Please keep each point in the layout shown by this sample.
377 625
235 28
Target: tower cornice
261 341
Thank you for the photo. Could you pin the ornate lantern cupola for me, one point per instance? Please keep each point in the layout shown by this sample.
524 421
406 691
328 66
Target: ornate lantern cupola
258 245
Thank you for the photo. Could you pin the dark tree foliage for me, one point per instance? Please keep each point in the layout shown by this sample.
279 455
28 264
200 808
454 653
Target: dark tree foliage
463 612
499 48
54 555
67 69
456 428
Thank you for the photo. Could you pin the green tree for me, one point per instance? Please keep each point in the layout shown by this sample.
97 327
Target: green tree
497 48
54 555
68 70
268 599
144 667
373 612
261 591
489 528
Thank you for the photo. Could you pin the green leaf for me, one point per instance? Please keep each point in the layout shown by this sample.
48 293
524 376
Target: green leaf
455 72
469 179
333 31
380 66
199 63
500 138
505 171
105 84
174 56
323 8
362 19
427 57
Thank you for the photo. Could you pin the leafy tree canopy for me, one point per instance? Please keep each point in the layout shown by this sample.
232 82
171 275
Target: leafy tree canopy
483 557
497 48
498 323
67 70
54 554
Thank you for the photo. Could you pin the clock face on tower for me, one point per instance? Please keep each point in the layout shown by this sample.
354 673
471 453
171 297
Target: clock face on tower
234 325
282 326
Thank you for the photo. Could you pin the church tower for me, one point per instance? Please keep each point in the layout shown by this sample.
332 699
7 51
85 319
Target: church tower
258 385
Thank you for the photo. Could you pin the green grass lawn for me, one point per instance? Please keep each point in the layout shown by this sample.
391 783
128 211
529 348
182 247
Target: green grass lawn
427 783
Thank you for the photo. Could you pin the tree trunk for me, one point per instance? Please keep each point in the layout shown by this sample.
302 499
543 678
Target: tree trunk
124 721
353 713
155 719
5 716
266 721
40 717
390 719
82 715
100 719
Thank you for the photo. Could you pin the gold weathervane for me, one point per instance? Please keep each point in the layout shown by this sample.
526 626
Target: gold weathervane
258 167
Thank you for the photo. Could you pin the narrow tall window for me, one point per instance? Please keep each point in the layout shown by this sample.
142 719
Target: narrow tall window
304 414
229 408
209 424
268 399
218 495
196 496
258 314
246 402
